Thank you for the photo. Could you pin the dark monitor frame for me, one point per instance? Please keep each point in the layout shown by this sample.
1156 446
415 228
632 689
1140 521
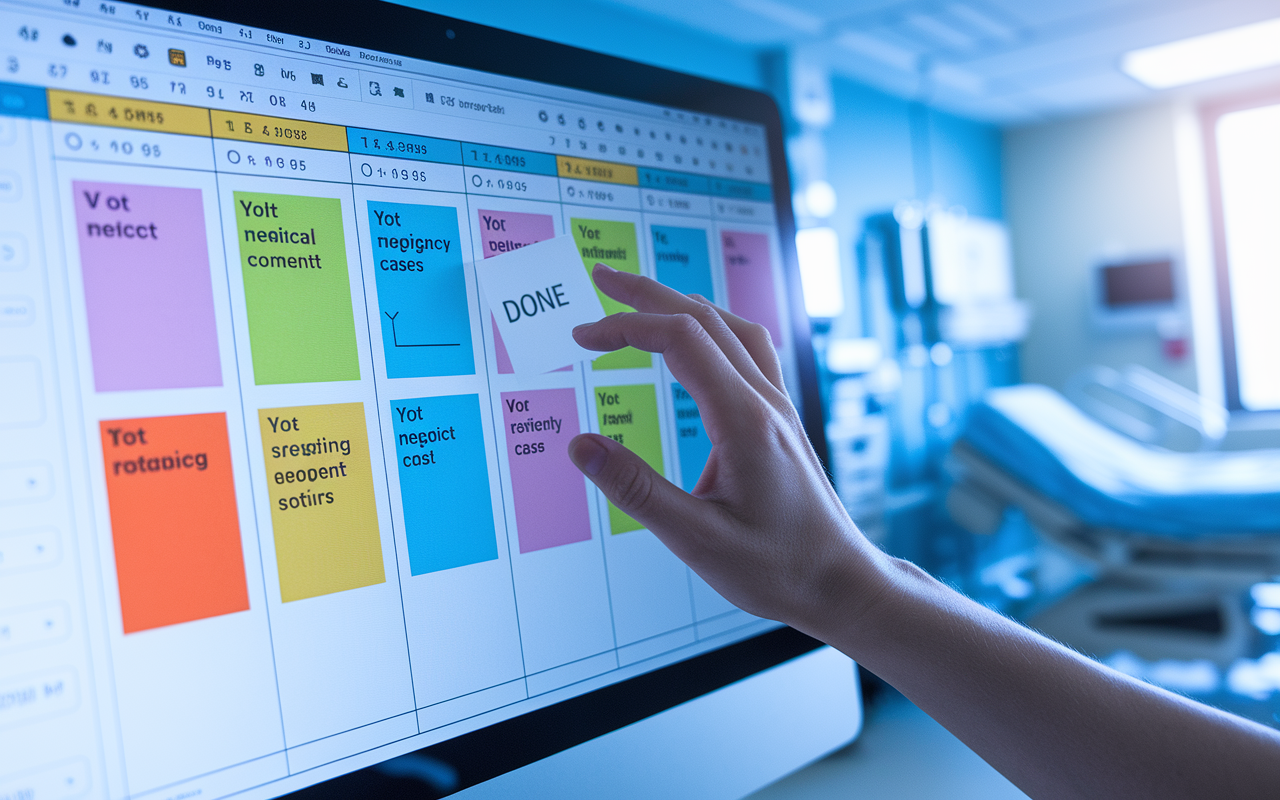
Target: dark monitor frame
486 753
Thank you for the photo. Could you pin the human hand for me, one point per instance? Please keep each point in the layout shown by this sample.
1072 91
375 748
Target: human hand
763 526
765 529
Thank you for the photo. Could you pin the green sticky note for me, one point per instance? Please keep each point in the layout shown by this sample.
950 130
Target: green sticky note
629 416
612 243
296 288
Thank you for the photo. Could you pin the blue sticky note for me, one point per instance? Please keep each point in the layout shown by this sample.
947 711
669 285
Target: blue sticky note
681 259
692 443
422 290
444 482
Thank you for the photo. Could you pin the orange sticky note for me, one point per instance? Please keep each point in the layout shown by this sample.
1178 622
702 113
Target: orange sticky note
174 521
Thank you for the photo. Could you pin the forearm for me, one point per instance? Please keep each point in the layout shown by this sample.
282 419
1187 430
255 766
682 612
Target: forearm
1055 723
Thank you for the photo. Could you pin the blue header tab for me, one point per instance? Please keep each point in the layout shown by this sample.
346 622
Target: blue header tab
23 101
490 157
674 181
741 190
403 145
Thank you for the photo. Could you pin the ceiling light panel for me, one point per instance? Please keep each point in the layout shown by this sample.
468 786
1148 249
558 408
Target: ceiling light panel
984 24
938 32
879 50
1045 15
794 18
1200 58
953 77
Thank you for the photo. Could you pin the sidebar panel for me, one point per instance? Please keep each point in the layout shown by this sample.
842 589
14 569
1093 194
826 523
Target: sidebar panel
48 725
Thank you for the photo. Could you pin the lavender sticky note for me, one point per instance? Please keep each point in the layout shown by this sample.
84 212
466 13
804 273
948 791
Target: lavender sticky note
147 287
549 492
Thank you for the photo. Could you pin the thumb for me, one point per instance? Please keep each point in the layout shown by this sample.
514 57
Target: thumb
631 484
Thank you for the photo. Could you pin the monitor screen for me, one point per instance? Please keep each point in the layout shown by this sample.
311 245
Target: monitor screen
273 503
1138 284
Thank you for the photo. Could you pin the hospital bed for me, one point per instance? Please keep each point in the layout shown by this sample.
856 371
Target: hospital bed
1173 537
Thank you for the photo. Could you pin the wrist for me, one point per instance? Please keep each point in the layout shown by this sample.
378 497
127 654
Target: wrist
852 588
867 602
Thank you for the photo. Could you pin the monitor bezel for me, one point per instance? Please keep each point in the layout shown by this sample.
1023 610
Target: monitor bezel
413 33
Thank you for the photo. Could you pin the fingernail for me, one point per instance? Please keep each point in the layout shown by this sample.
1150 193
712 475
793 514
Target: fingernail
600 265
581 328
589 455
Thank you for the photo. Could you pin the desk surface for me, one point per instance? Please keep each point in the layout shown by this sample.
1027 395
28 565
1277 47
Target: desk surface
902 754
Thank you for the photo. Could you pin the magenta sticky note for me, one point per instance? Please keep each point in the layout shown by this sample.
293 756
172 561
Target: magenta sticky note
748 272
144 259
504 231
549 492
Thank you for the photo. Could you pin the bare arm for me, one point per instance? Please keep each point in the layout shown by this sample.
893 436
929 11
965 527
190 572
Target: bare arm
765 529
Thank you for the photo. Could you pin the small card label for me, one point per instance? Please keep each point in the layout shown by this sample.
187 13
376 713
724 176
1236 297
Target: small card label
538 294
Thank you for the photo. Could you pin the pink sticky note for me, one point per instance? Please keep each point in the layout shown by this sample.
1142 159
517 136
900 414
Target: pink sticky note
748 271
549 492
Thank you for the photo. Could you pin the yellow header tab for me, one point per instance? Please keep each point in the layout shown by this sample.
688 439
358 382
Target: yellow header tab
121 112
603 171
275 130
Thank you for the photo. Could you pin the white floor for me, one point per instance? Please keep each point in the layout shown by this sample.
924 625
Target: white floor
902 754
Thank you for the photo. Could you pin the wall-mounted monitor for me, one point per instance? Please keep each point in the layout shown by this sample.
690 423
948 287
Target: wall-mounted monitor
1134 294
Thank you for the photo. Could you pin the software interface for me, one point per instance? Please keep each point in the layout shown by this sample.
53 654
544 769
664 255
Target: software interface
273 504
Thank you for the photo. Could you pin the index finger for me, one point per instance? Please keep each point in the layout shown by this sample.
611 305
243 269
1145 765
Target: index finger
757 341
646 294
721 392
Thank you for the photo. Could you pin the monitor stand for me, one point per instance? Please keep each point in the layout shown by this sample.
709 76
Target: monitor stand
725 744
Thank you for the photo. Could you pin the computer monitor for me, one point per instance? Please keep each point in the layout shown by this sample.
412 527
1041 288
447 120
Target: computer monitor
274 506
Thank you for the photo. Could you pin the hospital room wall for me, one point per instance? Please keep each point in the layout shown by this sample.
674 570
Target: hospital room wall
882 149
1081 190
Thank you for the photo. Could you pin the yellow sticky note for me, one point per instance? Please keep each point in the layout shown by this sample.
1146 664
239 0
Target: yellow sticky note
323 514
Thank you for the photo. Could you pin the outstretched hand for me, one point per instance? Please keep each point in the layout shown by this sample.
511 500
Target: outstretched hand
765 529
762 526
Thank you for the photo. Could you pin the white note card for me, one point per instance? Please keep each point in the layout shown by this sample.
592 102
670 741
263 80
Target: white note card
539 294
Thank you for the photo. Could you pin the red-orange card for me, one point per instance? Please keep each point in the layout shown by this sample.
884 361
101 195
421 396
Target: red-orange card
173 519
